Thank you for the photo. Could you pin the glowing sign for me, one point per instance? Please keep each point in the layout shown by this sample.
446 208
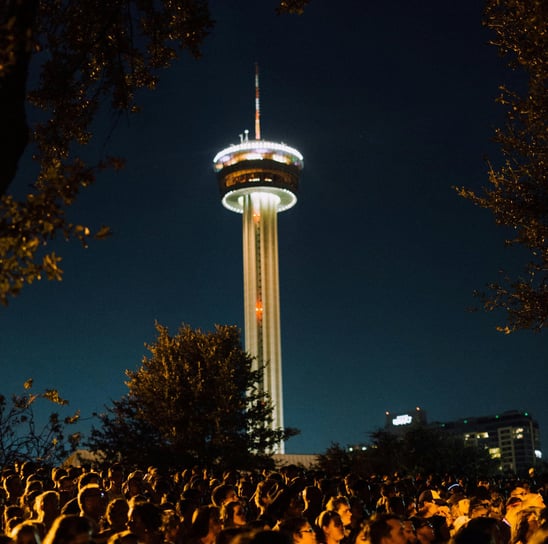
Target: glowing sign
403 419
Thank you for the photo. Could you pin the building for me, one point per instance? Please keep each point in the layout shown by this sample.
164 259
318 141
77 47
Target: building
258 179
512 438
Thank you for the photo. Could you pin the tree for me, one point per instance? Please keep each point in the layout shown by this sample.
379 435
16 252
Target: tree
431 450
420 450
194 400
335 461
89 55
517 194
24 438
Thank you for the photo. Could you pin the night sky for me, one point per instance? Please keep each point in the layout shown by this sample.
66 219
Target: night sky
392 104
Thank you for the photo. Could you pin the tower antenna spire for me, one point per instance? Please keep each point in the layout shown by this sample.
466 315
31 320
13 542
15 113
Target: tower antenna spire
257 108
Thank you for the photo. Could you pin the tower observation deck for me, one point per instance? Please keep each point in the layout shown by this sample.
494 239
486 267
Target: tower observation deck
258 179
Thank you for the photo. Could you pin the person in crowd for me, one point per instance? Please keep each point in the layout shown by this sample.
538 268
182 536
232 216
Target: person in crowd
479 508
233 514
312 498
13 515
442 528
430 503
185 510
223 494
540 537
299 530
396 506
331 528
33 484
114 482
145 521
386 529
46 508
459 513
266 492
231 477
66 488
479 530
172 527
92 502
136 486
527 524
56 474
27 469
357 517
33 488
69 529
206 525
363 536
510 519
115 519
409 531
13 487
519 491
245 488
73 506
25 532
288 502
424 530
123 537
436 510
387 490
341 505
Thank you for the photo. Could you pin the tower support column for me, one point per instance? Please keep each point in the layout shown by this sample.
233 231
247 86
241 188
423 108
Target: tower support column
261 294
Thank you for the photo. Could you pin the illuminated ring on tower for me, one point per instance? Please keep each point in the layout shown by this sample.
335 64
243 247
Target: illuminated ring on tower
234 200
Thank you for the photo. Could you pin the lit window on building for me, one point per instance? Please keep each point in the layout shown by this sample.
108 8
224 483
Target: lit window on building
495 453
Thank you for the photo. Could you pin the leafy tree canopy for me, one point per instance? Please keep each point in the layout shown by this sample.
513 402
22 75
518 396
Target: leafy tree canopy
24 438
88 54
517 193
195 399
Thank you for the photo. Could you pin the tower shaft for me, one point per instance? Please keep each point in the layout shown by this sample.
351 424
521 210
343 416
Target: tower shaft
261 294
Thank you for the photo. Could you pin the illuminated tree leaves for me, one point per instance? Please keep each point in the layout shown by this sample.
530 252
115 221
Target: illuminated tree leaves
517 193
26 437
197 395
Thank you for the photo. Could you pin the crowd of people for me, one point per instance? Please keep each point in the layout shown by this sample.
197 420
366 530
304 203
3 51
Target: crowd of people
75 505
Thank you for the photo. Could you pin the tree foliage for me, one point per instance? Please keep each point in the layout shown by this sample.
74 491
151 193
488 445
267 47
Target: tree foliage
195 399
517 194
24 438
89 55
421 450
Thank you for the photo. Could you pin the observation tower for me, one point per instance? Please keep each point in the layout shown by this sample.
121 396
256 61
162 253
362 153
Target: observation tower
258 178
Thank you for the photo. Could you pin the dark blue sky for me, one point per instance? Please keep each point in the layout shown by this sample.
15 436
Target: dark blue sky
391 105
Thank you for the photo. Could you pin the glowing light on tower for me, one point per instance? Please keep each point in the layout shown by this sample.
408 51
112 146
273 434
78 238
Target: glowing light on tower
258 179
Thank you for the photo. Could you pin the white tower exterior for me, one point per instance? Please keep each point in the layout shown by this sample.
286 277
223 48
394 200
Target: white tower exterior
258 179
